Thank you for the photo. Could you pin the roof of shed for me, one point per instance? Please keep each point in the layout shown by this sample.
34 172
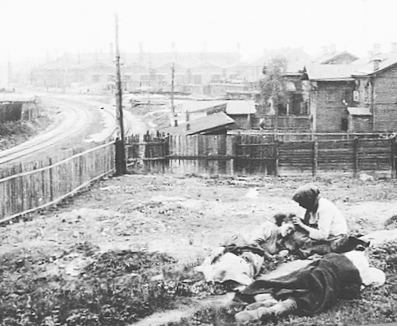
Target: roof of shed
16 97
359 111
202 124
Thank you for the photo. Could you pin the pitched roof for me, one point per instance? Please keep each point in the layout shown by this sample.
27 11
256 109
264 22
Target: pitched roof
359 111
367 67
330 72
343 57
202 124
240 107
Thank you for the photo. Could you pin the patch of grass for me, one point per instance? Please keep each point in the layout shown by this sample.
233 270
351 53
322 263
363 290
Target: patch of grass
122 287
117 288
13 133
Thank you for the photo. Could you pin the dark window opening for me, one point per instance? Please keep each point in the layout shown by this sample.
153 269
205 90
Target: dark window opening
282 109
345 124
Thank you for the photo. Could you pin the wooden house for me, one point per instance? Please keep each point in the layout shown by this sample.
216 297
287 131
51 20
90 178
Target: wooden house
330 91
376 89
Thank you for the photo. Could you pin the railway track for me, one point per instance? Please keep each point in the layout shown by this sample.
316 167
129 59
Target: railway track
72 122
79 120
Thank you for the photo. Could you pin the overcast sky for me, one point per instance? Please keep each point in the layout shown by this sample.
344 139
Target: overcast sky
35 28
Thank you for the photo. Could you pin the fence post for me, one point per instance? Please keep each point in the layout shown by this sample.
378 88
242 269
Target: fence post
230 151
22 194
393 157
235 151
120 157
315 158
276 157
166 149
355 156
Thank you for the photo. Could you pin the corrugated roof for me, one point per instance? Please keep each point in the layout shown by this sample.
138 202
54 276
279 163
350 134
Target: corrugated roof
359 111
202 124
240 107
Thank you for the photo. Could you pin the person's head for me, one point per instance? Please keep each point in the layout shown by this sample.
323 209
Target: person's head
307 196
284 223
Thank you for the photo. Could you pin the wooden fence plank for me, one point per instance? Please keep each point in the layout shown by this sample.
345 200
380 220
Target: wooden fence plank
39 184
248 154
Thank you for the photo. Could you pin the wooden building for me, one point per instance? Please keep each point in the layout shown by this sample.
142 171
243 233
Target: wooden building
360 96
331 93
376 89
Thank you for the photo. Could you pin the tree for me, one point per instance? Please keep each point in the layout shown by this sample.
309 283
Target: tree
273 91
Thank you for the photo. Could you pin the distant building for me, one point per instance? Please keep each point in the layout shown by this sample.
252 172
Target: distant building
357 97
330 93
242 112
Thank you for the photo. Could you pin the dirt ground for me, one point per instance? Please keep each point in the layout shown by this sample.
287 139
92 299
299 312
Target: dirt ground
182 216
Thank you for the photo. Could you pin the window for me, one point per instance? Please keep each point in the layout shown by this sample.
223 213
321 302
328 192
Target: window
356 97
366 94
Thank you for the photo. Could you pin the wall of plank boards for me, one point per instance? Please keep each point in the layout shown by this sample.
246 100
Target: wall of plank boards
255 154
47 182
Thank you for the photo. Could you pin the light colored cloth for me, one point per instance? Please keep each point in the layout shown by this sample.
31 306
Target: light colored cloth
369 275
242 268
230 267
330 221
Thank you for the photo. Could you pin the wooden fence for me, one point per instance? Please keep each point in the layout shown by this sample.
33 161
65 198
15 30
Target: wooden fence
254 154
25 192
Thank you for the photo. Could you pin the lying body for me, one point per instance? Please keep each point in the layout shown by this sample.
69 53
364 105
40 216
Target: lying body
311 289
240 259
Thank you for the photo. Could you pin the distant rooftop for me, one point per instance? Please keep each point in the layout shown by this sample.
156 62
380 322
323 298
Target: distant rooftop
343 57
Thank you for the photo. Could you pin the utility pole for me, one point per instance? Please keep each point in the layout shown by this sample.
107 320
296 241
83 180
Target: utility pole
121 165
172 95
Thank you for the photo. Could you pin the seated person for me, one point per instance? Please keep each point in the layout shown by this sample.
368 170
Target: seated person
310 289
323 223
240 258
299 243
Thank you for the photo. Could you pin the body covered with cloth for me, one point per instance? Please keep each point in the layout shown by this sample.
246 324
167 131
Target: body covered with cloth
311 289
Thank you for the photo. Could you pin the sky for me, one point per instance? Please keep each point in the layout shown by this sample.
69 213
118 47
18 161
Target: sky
34 29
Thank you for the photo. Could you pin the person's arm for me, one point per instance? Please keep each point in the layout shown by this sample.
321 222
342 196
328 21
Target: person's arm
324 226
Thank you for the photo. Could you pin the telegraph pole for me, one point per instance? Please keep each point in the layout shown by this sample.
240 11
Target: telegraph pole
121 164
172 95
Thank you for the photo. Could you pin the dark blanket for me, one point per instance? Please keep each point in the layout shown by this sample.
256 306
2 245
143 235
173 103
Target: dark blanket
315 287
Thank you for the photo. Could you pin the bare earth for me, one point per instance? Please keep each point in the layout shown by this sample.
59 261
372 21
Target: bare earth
184 216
